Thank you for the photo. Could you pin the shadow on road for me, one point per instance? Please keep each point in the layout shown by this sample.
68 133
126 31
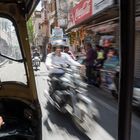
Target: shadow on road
107 108
63 122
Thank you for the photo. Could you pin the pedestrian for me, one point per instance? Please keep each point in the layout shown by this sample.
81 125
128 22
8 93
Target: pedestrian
112 60
91 56
100 55
67 50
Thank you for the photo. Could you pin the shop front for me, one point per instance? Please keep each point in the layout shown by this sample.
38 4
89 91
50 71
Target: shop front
76 37
88 16
106 34
81 12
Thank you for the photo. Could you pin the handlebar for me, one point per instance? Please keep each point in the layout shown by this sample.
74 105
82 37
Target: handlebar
66 68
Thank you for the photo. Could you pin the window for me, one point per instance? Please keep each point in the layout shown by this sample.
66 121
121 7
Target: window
10 69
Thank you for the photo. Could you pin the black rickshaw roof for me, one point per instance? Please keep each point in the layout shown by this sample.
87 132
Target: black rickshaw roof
27 5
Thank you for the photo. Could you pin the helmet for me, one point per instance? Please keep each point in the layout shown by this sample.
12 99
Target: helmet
35 50
59 43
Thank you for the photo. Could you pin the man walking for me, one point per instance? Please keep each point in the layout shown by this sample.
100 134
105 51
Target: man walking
91 56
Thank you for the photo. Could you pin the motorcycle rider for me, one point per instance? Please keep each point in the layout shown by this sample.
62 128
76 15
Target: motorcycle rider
36 54
58 58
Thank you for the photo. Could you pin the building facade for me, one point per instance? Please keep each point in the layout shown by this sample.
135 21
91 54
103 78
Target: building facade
36 20
101 26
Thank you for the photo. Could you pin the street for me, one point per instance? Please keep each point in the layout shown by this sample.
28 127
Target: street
103 36
57 126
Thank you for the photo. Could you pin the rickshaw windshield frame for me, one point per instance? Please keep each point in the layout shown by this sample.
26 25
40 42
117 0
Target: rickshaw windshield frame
23 60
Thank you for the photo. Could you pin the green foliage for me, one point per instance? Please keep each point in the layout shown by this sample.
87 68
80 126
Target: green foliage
30 30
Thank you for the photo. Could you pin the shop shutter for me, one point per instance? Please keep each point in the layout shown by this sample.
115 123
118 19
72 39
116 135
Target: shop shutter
137 55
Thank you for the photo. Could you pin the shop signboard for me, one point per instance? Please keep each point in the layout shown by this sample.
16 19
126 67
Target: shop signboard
99 5
81 12
57 33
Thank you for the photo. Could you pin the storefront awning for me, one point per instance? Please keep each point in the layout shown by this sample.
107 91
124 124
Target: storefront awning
28 5
104 28
111 12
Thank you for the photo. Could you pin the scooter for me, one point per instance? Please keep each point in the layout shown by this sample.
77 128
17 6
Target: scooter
36 62
67 93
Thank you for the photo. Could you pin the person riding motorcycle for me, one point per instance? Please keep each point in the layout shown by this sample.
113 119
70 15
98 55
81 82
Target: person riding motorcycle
36 59
36 54
59 58
55 61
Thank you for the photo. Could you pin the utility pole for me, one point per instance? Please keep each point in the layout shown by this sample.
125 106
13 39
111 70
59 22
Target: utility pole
56 14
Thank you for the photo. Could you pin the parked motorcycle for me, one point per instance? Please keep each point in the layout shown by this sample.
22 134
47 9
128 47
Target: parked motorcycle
36 62
67 93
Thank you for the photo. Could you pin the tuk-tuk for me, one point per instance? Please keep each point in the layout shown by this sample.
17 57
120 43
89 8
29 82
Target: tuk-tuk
19 104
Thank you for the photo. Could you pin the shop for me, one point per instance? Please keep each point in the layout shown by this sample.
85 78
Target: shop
106 34
102 26
89 15
81 12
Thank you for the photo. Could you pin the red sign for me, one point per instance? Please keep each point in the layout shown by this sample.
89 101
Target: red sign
81 12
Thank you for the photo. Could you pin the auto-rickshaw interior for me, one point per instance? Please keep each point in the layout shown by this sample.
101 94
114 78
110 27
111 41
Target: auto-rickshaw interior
19 120
19 105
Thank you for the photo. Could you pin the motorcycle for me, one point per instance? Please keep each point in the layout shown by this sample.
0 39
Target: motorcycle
67 93
36 62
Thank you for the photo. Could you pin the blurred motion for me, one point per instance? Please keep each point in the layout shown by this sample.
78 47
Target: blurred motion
60 70
36 59
67 92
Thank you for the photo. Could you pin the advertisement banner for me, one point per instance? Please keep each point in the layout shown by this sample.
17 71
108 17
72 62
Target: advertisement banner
57 33
99 5
81 12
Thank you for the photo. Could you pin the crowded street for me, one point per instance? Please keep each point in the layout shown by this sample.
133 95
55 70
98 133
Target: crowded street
69 70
